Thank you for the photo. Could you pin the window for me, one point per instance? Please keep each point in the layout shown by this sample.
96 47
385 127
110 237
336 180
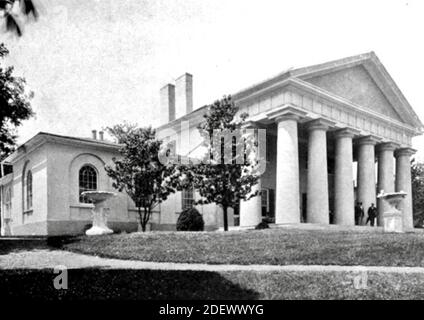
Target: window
8 203
29 190
187 199
265 201
87 182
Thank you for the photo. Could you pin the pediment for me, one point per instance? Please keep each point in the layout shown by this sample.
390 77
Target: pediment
357 85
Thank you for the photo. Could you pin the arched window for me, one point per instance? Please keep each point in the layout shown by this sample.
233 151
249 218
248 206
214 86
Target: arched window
29 191
87 182
8 203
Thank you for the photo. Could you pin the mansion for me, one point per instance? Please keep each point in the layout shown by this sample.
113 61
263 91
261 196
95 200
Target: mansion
324 123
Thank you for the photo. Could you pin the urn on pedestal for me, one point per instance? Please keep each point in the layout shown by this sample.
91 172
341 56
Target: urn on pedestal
99 199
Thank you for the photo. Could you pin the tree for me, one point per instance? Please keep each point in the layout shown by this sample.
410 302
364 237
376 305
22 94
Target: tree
228 172
139 172
417 177
14 106
14 10
121 131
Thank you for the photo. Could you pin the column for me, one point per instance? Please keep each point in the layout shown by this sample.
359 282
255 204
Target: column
317 210
404 183
343 178
287 209
366 173
385 175
251 210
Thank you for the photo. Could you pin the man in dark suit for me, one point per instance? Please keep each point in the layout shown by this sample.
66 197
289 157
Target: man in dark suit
372 214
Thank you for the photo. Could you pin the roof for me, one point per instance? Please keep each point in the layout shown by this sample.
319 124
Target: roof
369 60
45 137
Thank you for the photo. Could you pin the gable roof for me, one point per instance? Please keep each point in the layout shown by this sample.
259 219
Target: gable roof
372 65
299 76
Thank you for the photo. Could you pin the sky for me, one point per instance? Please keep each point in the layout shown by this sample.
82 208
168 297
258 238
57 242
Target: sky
93 64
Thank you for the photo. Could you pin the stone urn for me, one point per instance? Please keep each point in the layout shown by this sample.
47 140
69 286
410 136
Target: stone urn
392 216
99 199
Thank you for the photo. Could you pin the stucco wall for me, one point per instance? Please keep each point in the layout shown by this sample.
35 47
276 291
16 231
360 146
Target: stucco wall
65 161
22 217
188 143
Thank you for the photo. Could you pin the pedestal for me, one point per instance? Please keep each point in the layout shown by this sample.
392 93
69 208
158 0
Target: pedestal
392 222
99 199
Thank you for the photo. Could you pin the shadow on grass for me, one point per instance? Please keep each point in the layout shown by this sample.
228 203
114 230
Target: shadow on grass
17 244
98 284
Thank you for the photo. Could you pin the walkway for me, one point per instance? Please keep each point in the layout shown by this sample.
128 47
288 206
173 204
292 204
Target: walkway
44 258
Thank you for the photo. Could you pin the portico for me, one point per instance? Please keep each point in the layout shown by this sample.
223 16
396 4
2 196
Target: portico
322 132
313 171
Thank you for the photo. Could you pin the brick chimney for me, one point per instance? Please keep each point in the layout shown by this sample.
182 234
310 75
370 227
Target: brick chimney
167 103
101 135
94 132
183 95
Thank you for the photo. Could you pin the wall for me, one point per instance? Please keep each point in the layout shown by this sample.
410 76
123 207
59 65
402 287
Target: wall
65 213
30 222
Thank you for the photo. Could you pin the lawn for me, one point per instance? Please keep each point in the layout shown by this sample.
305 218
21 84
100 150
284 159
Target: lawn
271 246
95 284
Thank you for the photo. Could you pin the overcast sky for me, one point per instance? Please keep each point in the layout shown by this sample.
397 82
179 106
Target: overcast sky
93 63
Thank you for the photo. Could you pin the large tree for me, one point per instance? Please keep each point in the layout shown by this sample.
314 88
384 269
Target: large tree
228 172
417 175
139 172
14 12
14 105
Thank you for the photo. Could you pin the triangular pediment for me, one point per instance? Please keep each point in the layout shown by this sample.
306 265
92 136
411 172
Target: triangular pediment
357 85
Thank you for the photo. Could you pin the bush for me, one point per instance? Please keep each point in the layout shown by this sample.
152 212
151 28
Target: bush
190 220
262 225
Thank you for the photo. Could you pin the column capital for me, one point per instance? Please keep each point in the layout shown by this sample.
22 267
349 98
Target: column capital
387 146
346 132
405 152
319 124
286 112
368 140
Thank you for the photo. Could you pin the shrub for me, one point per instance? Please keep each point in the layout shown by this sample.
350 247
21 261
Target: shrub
262 225
190 220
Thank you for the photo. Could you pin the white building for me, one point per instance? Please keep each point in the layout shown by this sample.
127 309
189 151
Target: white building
319 120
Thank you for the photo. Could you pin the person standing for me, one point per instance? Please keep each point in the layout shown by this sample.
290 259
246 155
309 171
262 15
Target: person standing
372 215
359 213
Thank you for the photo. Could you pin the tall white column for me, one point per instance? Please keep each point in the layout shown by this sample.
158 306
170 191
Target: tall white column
287 208
366 173
317 187
251 210
343 178
287 193
385 175
404 183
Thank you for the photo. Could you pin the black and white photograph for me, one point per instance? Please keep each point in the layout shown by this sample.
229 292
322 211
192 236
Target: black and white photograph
210 156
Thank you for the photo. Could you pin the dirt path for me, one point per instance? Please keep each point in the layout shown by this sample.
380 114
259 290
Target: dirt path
43 258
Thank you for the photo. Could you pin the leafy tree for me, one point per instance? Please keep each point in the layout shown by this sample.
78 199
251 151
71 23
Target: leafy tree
417 176
139 172
13 10
228 172
14 105
121 131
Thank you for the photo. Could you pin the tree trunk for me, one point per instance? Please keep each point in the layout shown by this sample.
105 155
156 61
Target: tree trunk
142 222
225 211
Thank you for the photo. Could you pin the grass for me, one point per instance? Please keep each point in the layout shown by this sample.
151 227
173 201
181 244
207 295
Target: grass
271 246
102 284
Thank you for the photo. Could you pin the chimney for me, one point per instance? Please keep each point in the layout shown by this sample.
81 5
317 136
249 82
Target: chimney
183 95
167 103
94 132
101 137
